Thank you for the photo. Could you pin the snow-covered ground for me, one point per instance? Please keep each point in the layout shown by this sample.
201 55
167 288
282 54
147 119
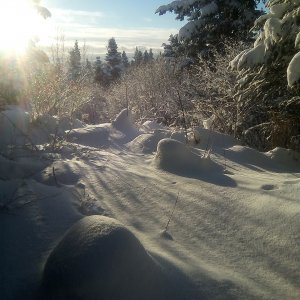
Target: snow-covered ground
234 233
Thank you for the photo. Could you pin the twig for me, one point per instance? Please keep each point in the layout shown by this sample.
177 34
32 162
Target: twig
54 176
166 228
184 119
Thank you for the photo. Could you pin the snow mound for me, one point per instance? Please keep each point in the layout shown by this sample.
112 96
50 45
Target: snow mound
92 135
19 168
147 143
46 125
61 172
248 156
174 156
214 140
152 125
14 125
123 122
99 258
286 157
179 136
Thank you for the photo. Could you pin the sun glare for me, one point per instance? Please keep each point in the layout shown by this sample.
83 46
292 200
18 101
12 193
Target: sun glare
19 22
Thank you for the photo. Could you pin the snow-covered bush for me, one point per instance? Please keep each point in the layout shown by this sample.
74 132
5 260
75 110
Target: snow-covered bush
268 90
208 21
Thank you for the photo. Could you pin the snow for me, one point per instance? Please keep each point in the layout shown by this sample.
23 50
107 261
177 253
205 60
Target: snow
293 70
272 29
99 258
209 9
14 123
234 233
252 57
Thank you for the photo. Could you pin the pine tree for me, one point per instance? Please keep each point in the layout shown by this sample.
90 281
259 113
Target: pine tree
209 21
125 60
113 60
74 62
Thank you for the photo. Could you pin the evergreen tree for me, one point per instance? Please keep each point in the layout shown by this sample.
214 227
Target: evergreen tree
88 70
209 21
114 60
146 57
98 70
74 62
268 110
138 57
151 57
125 60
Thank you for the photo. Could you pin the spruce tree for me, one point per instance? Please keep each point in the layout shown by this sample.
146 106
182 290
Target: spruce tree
146 57
125 60
268 102
114 60
209 21
98 70
138 57
74 62
151 56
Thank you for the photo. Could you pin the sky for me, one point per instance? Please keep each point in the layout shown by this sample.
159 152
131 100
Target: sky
132 23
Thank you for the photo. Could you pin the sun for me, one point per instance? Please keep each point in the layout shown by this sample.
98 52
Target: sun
19 23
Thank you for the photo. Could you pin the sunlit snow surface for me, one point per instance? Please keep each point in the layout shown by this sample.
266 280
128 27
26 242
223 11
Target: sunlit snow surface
234 234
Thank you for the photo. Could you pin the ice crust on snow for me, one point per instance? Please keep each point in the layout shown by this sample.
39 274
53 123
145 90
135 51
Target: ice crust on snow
99 258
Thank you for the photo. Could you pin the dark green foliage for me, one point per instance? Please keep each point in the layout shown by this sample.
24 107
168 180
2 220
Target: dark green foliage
125 61
138 57
209 22
74 62
114 60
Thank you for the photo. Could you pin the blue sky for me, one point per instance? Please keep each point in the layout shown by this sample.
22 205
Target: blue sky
132 23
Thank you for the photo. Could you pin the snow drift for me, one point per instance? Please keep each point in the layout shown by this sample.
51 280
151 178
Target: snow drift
99 258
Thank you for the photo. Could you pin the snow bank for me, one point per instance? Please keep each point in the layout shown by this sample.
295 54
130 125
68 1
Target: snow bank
47 125
152 125
99 258
19 168
147 143
179 136
285 157
92 135
14 123
174 156
124 123
65 172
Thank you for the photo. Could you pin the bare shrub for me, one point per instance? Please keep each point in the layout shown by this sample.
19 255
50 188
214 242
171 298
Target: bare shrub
52 92
211 86
151 91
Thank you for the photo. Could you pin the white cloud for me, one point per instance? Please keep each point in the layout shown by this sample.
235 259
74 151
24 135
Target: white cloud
81 26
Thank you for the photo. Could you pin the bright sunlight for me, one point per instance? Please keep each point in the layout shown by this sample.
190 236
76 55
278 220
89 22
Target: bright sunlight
19 22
